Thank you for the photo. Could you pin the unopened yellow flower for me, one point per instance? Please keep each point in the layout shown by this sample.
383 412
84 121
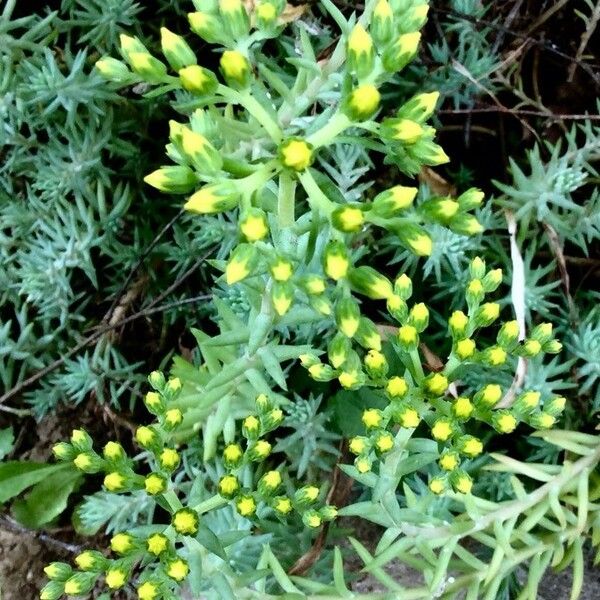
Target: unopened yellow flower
115 578
283 505
407 334
72 587
449 462
178 569
266 11
85 560
148 591
237 269
472 447
360 41
157 544
310 493
465 348
463 484
362 464
462 407
315 285
532 347
254 228
173 417
314 520
364 101
246 506
272 479
545 420
491 394
384 442
82 461
169 458
350 218
407 131
396 387
114 482
228 485
234 64
375 360
251 423
232 453
372 417
262 448
144 436
496 356
506 423
154 484
185 522
475 287
437 485
437 384
357 445
349 326
152 400
531 399
336 266
348 379
441 430
296 154
421 244
447 208
121 543
409 418
282 270
458 321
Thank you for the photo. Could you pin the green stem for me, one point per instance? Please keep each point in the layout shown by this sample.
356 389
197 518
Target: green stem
172 500
255 108
338 123
415 359
286 200
211 503
316 198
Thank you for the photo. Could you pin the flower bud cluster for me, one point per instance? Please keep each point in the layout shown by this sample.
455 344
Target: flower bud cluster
268 492
431 401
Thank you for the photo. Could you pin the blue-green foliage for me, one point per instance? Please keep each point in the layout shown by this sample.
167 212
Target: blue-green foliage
76 216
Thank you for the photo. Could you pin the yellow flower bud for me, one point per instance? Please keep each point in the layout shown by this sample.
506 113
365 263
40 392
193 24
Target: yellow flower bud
296 154
358 445
157 543
396 387
246 505
178 569
407 131
409 418
372 418
362 102
441 430
462 407
437 485
116 578
148 591
235 68
465 348
114 482
185 521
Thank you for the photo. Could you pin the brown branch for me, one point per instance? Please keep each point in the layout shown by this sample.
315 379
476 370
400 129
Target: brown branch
9 524
90 339
524 112
585 38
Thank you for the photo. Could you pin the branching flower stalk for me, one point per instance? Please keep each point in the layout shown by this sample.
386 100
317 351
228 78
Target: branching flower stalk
252 147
